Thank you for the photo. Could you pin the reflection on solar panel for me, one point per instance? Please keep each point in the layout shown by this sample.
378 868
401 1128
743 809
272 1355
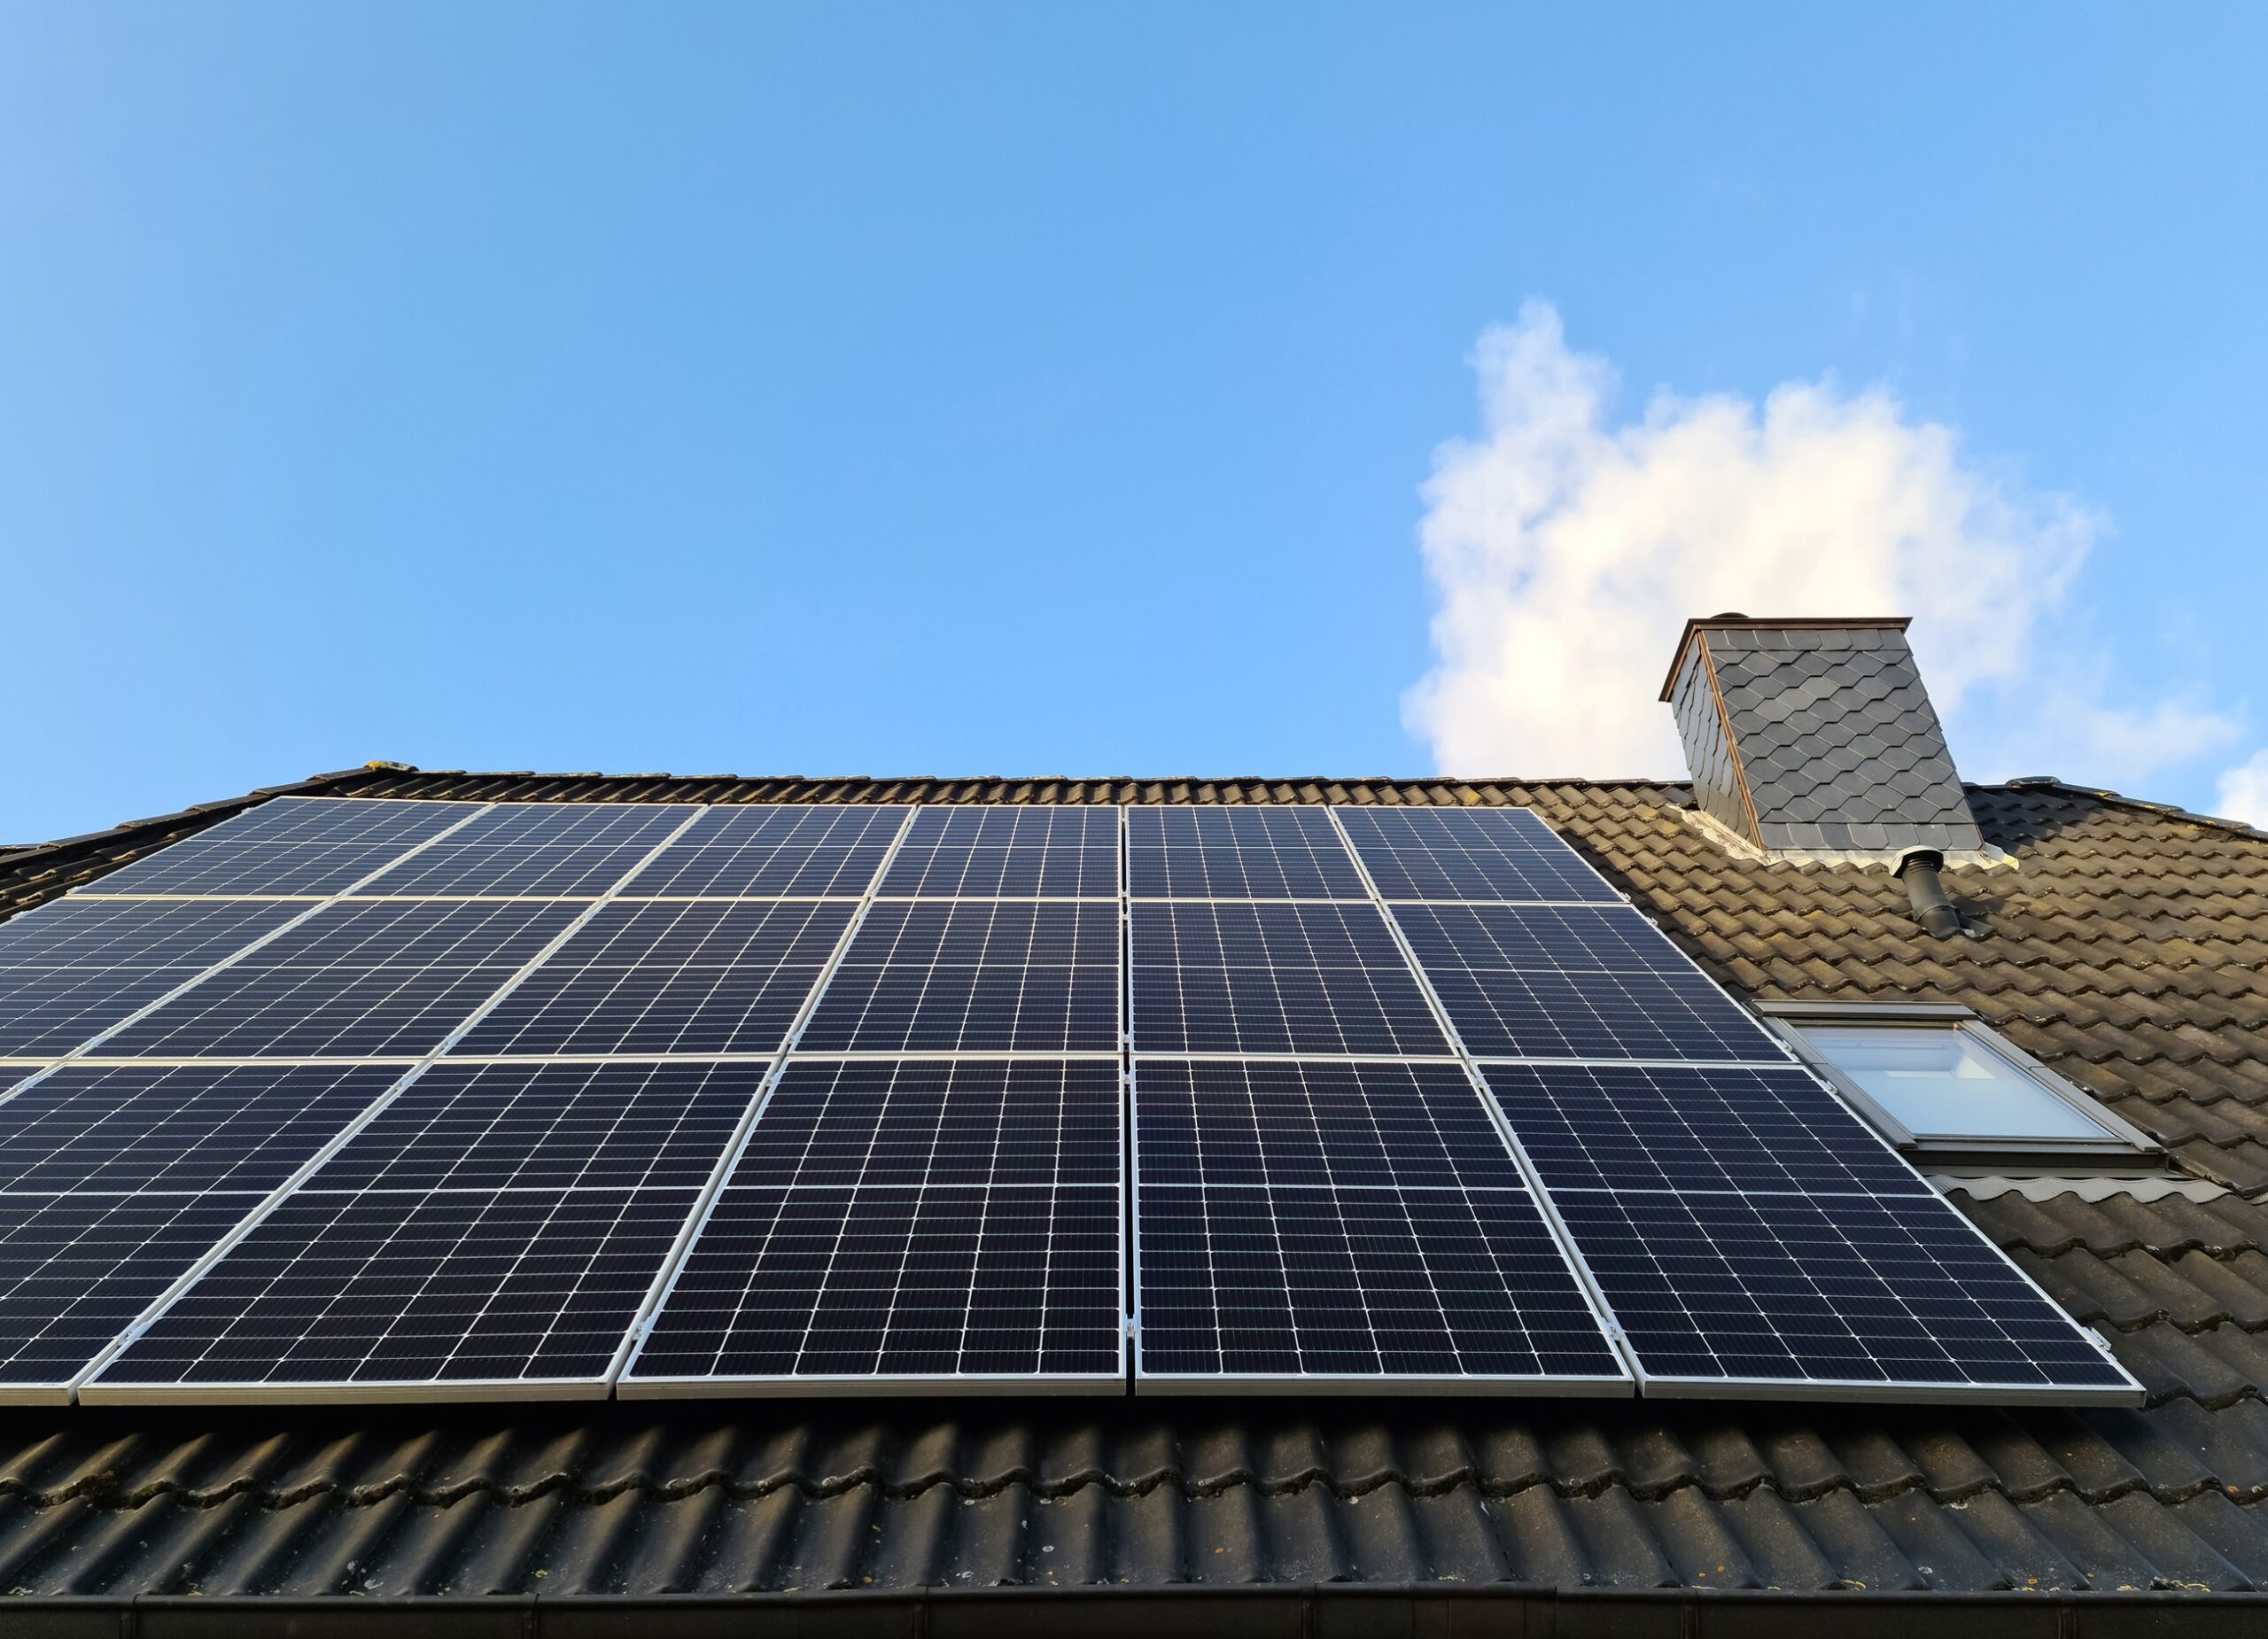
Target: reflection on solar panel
74 968
1321 1222
910 1221
1227 977
669 977
1575 981
115 1181
972 853
293 845
1745 1227
816 851
1461 854
1238 853
568 849
493 1224
357 979
973 976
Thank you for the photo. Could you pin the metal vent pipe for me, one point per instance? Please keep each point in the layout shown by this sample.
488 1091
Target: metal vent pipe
1918 870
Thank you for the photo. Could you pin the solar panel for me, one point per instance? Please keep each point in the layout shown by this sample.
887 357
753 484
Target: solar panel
1575 981
76 1270
669 977
496 1227
177 1128
115 1181
623 1125
1748 1232
304 846
1334 1224
536 850
783 851
1006 853
358 979
74 967
408 1295
938 1225
973 976
1278 851
1274 978
1466 854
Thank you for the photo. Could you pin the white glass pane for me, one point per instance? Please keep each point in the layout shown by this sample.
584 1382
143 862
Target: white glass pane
1942 1084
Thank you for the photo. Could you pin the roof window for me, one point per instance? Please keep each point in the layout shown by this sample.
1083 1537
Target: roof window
1940 1082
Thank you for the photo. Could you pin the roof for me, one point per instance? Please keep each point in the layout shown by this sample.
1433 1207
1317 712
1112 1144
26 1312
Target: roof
2126 950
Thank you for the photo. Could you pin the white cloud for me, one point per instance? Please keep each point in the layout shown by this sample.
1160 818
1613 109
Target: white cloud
1568 551
2244 792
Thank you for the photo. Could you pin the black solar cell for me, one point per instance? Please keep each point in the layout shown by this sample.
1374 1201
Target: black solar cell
408 1287
1469 854
76 1270
358 979
74 968
1825 1289
975 976
1281 978
1535 982
815 850
909 1220
119 1129
1271 853
669 977
1019 852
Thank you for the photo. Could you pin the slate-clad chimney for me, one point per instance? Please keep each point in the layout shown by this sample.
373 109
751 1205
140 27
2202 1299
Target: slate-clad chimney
1816 736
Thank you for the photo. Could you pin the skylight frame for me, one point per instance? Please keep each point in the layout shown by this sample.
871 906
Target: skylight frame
2121 1140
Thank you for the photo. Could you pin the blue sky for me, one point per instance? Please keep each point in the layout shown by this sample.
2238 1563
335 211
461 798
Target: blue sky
964 389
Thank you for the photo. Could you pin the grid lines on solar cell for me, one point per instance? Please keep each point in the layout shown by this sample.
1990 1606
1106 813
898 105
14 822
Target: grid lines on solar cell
535 850
1467 854
1412 1126
1840 1289
804 850
343 1289
623 1125
669 977
1343 1221
1742 1223
492 1223
76 1270
1274 978
114 1181
909 1220
74 967
1654 1127
181 1129
1568 981
974 976
1053 852
358 979
305 846
1260 852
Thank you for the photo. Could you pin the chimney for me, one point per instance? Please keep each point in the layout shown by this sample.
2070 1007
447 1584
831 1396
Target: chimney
1815 737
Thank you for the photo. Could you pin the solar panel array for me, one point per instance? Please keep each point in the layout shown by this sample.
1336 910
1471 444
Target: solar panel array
414 1099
